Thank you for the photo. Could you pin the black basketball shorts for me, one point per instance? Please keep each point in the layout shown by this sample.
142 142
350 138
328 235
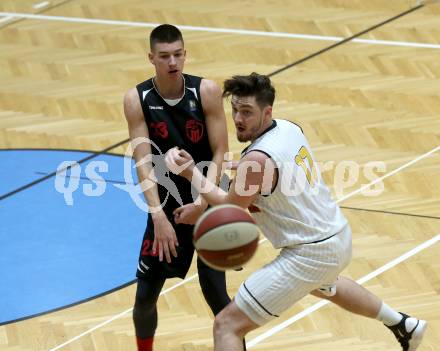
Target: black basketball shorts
149 264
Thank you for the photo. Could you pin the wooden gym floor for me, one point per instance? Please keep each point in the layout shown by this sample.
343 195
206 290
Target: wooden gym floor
62 85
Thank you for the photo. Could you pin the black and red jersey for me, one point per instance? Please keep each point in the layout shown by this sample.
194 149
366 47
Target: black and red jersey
181 125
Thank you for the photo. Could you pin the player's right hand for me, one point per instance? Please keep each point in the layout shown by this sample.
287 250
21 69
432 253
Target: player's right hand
165 239
189 213
179 162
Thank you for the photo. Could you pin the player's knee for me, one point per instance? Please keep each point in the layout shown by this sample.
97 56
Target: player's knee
147 293
224 323
221 325
143 306
143 299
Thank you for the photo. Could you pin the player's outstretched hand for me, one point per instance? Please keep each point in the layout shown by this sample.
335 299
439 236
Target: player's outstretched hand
165 239
179 162
188 214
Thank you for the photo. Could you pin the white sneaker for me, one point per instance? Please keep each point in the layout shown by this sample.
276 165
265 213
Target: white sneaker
409 332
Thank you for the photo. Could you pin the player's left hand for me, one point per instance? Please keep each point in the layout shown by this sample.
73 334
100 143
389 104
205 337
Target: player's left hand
179 162
188 214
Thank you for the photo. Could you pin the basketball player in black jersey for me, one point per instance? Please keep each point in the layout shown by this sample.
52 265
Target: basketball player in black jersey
173 109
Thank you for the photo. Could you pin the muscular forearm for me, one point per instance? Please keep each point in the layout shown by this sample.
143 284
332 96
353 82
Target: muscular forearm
151 194
215 170
210 192
214 174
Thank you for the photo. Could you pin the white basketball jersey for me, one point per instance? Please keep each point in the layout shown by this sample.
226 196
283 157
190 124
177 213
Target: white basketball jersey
300 208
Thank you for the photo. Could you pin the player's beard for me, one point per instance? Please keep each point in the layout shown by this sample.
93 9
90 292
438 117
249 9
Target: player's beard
252 134
247 135
242 138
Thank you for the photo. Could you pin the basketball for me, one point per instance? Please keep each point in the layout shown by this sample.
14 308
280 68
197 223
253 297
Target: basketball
225 237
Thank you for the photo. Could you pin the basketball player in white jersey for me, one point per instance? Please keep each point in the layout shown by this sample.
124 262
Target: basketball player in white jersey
280 184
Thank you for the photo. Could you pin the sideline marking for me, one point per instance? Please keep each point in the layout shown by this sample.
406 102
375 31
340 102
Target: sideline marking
219 30
108 321
41 5
366 186
6 19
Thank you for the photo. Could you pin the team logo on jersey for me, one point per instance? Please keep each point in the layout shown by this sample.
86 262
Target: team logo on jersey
192 105
159 129
194 130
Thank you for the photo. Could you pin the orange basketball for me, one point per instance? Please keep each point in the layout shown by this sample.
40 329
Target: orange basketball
225 237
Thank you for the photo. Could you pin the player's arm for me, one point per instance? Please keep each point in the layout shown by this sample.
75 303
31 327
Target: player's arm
256 173
165 238
215 119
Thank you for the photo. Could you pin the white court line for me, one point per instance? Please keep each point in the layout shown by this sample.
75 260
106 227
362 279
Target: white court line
108 321
362 280
366 186
261 241
219 30
6 19
41 5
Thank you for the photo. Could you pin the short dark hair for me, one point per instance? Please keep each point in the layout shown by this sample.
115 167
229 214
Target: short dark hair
165 33
255 84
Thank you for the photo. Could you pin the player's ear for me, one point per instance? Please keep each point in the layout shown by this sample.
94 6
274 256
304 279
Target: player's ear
150 57
268 111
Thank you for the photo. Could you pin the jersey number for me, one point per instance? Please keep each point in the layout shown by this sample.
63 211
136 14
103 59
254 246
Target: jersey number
310 171
147 248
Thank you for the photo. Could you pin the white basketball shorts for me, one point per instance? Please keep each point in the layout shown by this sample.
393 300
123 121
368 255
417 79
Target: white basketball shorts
294 273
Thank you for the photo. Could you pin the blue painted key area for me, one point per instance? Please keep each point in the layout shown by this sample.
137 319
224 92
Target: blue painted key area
53 254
